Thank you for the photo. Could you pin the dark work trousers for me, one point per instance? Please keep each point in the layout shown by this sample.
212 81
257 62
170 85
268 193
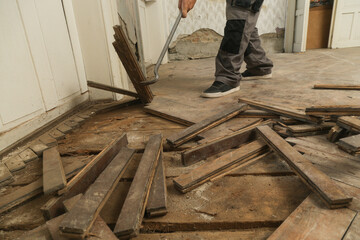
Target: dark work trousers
241 42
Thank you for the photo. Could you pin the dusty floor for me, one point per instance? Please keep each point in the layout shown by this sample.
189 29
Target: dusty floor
249 203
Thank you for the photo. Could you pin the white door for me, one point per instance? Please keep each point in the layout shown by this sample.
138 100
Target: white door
346 24
301 25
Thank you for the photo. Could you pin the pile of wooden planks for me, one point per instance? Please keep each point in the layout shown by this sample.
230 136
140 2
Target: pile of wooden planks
243 147
74 211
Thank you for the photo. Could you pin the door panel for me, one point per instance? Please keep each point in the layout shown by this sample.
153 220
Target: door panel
38 52
19 88
346 31
58 46
301 25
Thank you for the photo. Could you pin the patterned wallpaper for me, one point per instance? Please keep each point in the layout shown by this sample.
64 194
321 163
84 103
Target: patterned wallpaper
211 14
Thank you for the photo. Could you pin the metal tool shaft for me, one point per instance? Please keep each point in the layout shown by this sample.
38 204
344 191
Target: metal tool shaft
163 52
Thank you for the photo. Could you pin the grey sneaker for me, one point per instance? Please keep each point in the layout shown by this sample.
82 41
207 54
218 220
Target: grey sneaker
249 76
219 89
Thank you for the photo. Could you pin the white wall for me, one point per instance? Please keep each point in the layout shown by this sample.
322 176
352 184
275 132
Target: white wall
211 14
48 50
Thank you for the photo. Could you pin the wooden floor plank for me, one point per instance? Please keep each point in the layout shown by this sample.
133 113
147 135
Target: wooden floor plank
85 177
209 170
350 122
337 87
194 130
336 110
130 218
81 217
312 220
214 147
157 203
353 232
33 189
53 171
291 113
319 182
131 65
111 89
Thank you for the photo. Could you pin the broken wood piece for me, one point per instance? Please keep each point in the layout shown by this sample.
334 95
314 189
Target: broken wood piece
337 87
350 144
308 129
111 89
132 212
28 155
192 131
291 113
56 134
289 121
311 220
337 110
33 189
255 113
47 140
99 230
318 182
5 174
84 178
349 123
227 128
38 147
157 202
336 133
201 152
209 170
14 163
131 65
53 171
64 128
81 217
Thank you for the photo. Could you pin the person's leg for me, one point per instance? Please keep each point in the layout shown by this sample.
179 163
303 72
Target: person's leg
239 27
257 64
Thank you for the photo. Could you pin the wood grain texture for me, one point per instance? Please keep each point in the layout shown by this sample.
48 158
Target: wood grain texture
111 89
204 151
350 122
82 216
53 171
132 212
157 202
131 65
312 220
33 189
353 232
319 182
291 113
337 110
84 178
337 87
352 143
206 124
208 170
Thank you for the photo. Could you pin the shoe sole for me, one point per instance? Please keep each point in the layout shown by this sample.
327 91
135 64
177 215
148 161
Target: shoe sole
267 76
221 94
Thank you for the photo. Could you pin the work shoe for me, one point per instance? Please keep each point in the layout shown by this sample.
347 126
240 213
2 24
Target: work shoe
219 89
249 76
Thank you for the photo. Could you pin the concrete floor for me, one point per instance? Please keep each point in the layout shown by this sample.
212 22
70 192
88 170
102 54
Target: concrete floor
248 204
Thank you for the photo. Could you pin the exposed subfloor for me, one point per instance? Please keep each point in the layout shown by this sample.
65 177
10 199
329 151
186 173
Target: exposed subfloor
249 203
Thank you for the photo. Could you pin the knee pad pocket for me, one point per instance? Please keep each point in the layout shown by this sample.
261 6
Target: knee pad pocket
233 34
